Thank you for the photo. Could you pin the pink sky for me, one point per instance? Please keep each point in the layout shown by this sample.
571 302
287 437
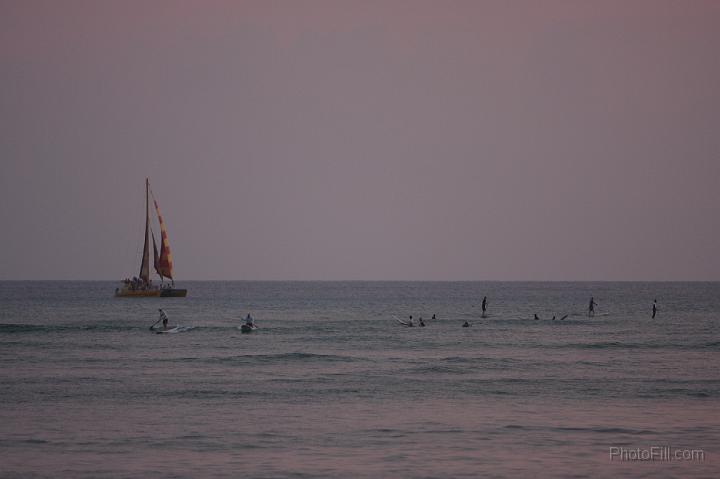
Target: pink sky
362 140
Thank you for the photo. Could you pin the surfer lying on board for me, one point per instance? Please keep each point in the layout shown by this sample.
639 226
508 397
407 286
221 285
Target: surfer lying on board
466 324
422 323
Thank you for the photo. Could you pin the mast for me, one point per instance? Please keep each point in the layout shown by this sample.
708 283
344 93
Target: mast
145 263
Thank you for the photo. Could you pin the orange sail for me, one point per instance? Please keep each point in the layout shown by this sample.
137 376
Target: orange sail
156 256
164 264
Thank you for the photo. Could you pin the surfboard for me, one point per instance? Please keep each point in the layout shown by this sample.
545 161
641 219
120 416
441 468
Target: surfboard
246 328
409 325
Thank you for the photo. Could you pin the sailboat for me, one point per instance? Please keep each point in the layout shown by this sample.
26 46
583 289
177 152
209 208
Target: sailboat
142 285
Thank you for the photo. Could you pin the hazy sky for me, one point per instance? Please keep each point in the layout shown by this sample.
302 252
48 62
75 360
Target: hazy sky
540 140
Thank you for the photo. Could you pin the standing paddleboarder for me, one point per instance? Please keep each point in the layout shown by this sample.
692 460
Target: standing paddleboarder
484 306
654 310
164 318
591 307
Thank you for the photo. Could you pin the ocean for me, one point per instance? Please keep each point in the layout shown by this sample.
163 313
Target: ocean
332 386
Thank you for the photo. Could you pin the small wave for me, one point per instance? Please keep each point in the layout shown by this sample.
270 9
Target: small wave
297 356
27 328
691 346
460 359
441 369
600 430
683 392
10 328
616 345
605 430
486 362
605 345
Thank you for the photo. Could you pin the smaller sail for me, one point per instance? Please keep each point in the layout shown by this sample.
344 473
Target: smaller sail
156 256
164 264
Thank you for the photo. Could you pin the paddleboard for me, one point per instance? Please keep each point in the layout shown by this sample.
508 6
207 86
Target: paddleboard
246 328
173 330
176 329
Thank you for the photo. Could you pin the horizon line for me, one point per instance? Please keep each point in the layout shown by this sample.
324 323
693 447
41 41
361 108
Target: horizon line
394 280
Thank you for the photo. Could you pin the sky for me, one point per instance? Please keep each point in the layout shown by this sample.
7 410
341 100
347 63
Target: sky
362 140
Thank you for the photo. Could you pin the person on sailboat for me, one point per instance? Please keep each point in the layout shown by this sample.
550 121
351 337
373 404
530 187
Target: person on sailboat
164 318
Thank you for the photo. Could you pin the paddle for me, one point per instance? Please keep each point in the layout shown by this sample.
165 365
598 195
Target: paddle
151 327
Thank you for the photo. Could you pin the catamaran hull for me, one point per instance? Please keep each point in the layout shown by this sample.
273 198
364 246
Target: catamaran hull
126 293
173 293
150 293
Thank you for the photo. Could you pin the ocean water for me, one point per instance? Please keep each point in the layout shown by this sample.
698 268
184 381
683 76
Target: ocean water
331 386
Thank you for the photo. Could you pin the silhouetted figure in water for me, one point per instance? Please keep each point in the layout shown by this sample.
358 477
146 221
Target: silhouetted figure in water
536 317
433 316
553 317
654 308
466 324
422 323
484 306
591 307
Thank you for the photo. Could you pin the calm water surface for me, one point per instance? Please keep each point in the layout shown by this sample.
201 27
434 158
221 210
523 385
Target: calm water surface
332 386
